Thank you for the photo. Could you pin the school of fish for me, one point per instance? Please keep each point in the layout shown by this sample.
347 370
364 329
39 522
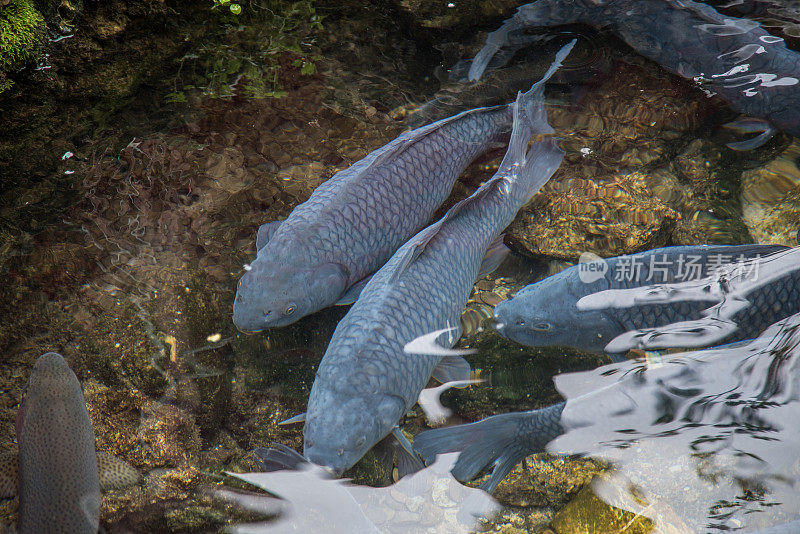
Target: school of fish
408 287
366 237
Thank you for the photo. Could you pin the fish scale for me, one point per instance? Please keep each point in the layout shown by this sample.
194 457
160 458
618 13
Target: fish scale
59 487
358 218
553 300
366 382
734 58
420 181
768 303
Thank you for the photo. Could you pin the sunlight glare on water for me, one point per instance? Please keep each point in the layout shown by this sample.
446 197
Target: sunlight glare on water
716 422
145 145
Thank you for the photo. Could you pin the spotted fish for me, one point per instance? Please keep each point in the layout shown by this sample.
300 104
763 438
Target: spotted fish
58 474
366 382
546 314
733 58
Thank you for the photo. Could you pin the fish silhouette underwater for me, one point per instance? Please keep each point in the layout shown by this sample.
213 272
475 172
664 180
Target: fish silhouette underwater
367 379
733 58
58 474
546 313
327 249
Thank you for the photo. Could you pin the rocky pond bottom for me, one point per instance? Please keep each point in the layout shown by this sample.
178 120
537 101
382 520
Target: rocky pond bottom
122 250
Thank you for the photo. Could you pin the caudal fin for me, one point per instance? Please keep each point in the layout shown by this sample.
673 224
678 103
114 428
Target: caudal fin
524 170
532 101
499 442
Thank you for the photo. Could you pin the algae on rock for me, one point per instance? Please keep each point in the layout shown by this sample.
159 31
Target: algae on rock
21 33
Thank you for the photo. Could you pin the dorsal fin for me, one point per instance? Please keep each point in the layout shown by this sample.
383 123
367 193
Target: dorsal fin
414 248
494 256
265 233
407 139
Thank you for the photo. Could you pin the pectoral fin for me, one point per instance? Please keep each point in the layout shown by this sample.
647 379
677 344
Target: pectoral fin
115 473
494 256
351 295
9 476
278 457
751 125
300 418
451 369
265 233
407 459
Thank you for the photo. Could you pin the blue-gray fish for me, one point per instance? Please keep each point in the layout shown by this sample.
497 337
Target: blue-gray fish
690 402
545 313
326 250
365 382
57 474
733 58
500 442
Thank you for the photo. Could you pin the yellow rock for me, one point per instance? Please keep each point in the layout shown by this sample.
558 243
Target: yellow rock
587 514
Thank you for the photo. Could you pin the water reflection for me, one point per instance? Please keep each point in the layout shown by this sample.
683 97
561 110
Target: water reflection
430 500
693 41
708 434
145 266
747 293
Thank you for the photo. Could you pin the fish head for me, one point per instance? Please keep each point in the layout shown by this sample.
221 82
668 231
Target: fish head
52 383
545 314
275 292
341 428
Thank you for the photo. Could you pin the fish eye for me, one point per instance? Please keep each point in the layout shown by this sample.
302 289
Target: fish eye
542 327
289 309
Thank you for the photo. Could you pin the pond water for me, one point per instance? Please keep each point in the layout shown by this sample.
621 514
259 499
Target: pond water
147 144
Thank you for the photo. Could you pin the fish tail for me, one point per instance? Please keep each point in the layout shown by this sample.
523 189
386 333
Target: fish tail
532 101
536 14
499 442
529 169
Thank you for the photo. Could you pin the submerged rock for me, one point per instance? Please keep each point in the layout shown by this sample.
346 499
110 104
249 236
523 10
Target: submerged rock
579 215
21 35
621 188
771 199
587 513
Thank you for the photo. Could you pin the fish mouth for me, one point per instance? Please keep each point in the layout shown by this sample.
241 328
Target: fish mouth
323 459
335 472
245 330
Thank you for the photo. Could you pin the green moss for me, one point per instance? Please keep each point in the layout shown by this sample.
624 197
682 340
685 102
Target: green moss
194 519
21 32
241 55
